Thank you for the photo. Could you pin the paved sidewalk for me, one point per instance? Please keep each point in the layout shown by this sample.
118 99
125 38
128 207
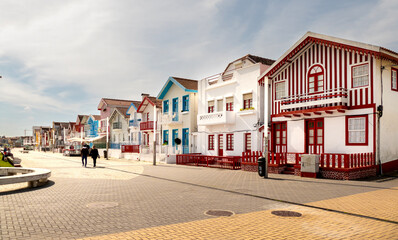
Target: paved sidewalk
124 199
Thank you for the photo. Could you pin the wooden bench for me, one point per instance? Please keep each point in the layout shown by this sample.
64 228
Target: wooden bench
34 176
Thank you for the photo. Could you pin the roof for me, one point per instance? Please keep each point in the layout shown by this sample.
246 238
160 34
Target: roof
135 105
311 37
187 85
149 100
114 102
97 117
80 119
121 110
253 59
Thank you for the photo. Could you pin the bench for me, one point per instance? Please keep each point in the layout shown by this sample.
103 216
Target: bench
34 176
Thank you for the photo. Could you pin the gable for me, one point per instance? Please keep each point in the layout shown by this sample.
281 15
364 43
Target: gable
187 85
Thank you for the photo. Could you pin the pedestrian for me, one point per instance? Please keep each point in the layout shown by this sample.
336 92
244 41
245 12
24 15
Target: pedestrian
94 154
84 154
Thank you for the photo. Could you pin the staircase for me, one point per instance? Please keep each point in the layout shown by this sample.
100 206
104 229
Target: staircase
289 169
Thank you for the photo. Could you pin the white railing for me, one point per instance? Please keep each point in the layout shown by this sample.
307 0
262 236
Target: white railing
224 117
171 119
307 100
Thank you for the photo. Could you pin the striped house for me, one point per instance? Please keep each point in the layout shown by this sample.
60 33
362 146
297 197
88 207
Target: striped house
334 98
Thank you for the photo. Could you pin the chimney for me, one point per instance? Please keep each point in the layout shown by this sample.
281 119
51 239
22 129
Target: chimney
143 95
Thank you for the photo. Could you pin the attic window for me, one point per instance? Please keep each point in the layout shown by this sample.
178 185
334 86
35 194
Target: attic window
227 77
238 65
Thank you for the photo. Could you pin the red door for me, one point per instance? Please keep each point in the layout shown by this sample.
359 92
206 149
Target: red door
280 138
314 136
220 145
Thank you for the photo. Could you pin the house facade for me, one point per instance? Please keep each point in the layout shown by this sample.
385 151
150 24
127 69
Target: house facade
119 134
179 98
334 98
230 109
150 127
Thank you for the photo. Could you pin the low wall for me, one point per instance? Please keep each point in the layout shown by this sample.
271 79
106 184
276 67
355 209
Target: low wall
34 176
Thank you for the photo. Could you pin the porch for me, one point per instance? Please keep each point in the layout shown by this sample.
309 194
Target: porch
331 165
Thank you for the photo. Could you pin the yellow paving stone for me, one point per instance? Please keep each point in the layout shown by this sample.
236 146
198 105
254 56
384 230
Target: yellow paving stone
313 224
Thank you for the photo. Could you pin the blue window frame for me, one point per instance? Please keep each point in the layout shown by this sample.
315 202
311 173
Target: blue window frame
166 137
175 135
166 106
175 109
185 103
185 140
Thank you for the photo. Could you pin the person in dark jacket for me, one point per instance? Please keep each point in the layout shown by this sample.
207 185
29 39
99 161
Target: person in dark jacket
94 154
84 154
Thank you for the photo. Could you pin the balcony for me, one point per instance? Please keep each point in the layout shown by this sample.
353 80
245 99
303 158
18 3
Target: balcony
133 123
292 102
215 118
146 126
171 119
117 125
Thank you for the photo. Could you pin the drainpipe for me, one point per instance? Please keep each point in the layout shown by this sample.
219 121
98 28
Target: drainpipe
154 135
379 115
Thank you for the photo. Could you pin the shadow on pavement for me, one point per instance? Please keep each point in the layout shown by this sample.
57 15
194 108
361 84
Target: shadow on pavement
28 189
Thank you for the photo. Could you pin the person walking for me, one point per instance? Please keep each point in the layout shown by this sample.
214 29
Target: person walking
84 154
94 154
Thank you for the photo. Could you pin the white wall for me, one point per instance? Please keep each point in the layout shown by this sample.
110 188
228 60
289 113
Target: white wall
295 136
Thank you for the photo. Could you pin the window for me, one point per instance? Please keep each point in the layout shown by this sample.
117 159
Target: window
185 103
230 142
248 142
360 75
175 135
229 105
219 105
315 79
210 105
165 137
166 106
247 100
394 85
357 130
211 142
280 90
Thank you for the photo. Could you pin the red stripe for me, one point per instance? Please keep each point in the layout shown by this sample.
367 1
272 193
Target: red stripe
321 52
366 96
293 72
345 70
360 96
297 77
351 96
288 80
301 75
317 53
335 68
330 68
340 70
360 57
355 58
371 79
355 97
327 69
304 76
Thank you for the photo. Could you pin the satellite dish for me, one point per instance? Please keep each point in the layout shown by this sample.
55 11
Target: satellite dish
177 141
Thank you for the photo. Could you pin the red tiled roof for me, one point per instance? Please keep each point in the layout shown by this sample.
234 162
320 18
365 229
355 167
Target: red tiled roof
123 111
114 102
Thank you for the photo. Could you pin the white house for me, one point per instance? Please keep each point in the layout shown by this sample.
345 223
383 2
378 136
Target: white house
119 131
230 109
178 118
335 98
150 110
131 151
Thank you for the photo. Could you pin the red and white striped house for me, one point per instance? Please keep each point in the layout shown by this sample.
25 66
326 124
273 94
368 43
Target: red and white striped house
334 97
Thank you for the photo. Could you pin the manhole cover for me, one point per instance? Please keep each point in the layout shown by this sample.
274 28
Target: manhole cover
219 213
102 205
286 213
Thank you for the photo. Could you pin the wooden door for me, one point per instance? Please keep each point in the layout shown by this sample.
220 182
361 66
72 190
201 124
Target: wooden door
314 136
220 145
280 137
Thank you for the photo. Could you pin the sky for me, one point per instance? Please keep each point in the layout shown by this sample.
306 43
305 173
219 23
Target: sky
59 58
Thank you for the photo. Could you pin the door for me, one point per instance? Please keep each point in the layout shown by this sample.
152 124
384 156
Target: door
248 142
185 140
220 145
314 136
280 137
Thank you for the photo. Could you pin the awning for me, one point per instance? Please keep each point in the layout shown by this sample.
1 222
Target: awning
75 140
94 139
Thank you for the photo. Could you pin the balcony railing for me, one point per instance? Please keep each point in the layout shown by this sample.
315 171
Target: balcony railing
224 117
171 119
133 123
117 125
146 125
338 96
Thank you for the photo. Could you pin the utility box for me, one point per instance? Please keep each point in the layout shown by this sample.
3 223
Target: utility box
309 165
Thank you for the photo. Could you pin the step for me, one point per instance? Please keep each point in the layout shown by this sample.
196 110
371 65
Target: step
288 172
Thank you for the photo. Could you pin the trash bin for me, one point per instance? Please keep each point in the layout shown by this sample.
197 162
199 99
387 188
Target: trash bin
105 154
261 166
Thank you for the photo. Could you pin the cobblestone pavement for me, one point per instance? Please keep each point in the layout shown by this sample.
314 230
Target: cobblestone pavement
133 200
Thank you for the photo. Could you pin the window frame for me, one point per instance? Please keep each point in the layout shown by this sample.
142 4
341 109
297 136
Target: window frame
174 136
284 90
210 142
315 75
247 103
246 137
229 106
165 133
210 109
352 75
166 106
230 141
185 103
396 79
347 131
